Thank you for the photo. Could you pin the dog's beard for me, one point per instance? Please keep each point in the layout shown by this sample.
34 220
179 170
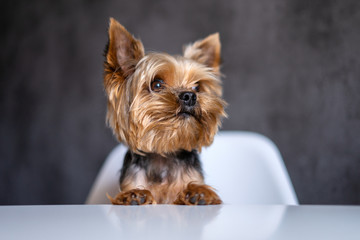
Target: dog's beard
160 124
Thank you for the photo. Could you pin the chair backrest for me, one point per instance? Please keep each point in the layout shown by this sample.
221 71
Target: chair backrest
244 167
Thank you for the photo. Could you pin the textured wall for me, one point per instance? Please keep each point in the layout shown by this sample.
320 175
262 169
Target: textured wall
292 74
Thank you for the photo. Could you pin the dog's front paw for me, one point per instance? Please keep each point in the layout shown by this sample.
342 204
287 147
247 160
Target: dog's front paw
196 194
133 197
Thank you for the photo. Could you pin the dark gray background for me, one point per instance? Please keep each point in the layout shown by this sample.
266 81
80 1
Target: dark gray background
292 74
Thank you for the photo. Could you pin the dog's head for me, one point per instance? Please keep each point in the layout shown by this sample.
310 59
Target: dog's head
161 103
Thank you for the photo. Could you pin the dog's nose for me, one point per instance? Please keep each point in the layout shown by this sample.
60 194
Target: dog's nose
188 98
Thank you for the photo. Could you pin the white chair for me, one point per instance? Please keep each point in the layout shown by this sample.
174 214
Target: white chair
244 167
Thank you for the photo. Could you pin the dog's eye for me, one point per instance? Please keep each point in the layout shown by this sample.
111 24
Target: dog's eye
196 88
157 85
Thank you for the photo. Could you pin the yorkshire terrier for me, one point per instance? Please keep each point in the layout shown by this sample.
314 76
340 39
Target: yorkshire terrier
164 109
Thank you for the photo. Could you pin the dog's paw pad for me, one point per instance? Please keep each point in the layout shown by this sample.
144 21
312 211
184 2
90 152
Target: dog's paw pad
133 197
196 194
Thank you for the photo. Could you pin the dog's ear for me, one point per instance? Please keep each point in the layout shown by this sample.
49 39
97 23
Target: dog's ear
205 51
123 50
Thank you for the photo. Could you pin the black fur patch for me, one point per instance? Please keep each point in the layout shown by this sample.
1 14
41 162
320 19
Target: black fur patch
159 168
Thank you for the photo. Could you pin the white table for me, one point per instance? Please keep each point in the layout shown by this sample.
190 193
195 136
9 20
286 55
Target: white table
179 222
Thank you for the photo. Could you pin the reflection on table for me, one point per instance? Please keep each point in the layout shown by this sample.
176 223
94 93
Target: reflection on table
179 222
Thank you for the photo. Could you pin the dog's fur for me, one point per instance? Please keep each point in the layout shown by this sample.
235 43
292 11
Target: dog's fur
165 109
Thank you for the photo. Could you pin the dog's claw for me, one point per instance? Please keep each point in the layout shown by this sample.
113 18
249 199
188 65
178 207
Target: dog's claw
192 200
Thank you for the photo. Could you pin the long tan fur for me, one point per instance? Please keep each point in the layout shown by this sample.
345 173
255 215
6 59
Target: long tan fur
148 121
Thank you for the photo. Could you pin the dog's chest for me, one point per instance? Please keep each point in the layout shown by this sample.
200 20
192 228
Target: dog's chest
160 170
165 177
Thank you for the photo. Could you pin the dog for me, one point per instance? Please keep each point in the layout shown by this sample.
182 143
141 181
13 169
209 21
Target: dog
164 108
